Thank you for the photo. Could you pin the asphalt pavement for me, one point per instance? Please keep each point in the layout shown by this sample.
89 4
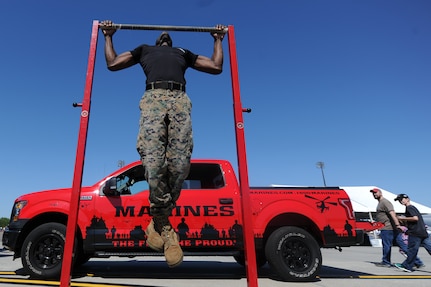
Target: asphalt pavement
354 266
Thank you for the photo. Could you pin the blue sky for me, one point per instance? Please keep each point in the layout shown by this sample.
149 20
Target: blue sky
343 82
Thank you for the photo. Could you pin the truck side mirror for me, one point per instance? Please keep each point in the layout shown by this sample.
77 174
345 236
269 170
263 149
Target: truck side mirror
110 187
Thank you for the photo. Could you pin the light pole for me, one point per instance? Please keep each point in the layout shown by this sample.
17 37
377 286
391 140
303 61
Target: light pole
120 163
321 165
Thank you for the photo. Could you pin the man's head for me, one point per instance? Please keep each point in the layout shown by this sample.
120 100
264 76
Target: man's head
377 193
402 198
164 39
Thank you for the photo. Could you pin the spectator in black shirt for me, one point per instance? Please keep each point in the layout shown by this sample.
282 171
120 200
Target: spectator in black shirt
416 231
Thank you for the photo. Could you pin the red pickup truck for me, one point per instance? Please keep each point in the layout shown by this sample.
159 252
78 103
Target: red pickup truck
290 224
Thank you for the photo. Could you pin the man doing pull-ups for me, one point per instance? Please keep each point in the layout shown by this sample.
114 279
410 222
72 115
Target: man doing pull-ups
165 140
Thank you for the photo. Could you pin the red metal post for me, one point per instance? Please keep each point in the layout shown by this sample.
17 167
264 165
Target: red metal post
66 267
250 256
250 253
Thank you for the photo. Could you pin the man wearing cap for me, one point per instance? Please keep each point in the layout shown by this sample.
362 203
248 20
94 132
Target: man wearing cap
385 214
416 231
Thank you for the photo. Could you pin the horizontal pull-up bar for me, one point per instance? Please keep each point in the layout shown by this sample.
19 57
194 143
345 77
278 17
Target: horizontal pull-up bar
162 27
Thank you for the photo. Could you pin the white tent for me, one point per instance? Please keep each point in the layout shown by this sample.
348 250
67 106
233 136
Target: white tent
363 201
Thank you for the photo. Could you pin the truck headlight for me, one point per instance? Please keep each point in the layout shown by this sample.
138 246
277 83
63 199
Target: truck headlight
19 205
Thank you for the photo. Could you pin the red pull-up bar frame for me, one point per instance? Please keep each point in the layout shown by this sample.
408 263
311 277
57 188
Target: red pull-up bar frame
72 220
164 28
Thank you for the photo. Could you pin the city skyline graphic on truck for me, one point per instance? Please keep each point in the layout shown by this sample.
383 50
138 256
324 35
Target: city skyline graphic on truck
207 236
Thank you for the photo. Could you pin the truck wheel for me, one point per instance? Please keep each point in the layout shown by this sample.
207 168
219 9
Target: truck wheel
293 254
42 251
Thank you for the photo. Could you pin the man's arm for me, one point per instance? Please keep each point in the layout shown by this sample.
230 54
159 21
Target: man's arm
213 65
413 212
113 61
395 219
405 219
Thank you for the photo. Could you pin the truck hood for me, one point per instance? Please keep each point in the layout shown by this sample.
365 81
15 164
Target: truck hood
61 193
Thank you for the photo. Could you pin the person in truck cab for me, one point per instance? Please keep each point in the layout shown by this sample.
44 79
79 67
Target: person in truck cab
165 140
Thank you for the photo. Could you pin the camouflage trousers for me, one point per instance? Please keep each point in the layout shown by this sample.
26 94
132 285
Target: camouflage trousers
165 145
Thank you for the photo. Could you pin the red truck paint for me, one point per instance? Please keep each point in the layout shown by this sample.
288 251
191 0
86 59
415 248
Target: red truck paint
290 224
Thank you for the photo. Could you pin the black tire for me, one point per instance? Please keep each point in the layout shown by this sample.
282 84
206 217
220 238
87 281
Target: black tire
42 251
293 254
260 259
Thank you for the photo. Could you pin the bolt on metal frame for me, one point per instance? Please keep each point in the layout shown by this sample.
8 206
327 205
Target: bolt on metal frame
250 256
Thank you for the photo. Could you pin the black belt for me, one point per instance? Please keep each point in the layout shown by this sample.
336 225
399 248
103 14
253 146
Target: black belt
166 86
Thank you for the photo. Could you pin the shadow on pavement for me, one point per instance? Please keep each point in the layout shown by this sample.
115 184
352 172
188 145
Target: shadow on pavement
159 269
190 270
333 272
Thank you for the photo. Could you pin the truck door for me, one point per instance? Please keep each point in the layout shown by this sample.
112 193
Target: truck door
207 212
120 219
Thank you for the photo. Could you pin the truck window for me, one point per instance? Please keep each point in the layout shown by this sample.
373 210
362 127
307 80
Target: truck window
201 176
132 181
205 176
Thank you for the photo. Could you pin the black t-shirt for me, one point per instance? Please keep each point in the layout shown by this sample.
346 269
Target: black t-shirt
416 228
164 63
